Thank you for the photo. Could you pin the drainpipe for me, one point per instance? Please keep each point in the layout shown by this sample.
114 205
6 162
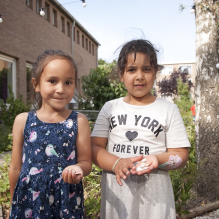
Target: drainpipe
72 38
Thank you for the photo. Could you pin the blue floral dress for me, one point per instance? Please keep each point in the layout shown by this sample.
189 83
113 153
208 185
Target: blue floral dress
40 192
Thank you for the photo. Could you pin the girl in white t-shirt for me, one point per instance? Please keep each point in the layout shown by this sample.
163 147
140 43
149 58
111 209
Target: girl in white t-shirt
138 128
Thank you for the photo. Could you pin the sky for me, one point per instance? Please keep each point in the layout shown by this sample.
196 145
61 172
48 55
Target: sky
114 22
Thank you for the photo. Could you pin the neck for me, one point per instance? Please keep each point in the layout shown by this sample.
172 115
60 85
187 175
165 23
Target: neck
52 116
145 100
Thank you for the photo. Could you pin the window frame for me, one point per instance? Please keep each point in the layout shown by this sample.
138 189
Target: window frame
92 49
190 73
89 46
86 41
82 40
164 70
62 24
68 29
38 6
78 37
29 3
47 11
13 61
54 17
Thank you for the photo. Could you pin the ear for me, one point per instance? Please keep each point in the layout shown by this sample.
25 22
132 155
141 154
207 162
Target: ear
35 85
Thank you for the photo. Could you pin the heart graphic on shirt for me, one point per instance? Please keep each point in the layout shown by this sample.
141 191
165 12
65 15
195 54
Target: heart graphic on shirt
131 135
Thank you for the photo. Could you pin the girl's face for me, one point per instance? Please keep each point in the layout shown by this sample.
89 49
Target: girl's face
139 77
57 84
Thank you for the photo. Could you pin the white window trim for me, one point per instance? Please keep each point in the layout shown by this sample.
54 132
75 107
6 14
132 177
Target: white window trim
28 65
187 65
13 61
165 66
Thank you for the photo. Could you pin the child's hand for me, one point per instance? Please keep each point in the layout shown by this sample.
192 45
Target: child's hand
72 174
146 165
122 168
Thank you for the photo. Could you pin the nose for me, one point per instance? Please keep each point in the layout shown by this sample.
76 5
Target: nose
60 88
140 75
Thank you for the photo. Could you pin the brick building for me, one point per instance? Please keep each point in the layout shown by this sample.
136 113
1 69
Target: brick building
171 67
24 34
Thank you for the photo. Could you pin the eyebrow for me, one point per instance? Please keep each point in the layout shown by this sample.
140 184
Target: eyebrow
54 77
133 66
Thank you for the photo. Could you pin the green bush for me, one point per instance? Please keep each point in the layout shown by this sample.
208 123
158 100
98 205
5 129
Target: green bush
12 108
9 111
101 85
183 179
4 180
92 192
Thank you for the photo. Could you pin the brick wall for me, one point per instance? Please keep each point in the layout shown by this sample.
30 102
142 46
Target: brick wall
24 34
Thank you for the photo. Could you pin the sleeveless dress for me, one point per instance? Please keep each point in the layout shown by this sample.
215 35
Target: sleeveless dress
40 192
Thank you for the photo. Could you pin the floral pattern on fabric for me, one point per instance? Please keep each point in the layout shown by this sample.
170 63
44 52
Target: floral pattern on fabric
40 192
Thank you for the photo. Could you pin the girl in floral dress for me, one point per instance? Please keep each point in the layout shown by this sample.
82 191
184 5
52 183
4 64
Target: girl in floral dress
51 146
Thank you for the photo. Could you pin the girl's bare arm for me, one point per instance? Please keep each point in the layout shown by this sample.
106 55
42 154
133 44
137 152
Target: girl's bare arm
174 158
17 151
105 160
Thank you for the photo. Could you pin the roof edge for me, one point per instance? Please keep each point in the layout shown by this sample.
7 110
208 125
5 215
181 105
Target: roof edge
58 5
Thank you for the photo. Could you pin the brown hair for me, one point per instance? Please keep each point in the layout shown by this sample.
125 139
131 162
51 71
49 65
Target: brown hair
134 46
40 64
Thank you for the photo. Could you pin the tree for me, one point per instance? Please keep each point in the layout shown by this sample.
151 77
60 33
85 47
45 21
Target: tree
206 96
101 85
168 86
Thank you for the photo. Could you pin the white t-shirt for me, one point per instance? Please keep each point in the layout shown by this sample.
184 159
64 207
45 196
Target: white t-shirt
133 130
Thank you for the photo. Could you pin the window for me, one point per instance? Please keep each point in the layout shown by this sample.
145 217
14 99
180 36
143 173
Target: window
185 69
38 6
63 24
89 47
167 70
47 12
29 3
78 37
7 76
29 83
68 29
168 97
93 49
54 18
82 40
86 44
74 34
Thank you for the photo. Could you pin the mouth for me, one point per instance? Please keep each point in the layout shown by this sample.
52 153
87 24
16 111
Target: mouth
139 85
59 98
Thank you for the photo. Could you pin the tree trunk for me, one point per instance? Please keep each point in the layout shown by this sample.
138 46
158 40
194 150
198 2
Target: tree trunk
207 102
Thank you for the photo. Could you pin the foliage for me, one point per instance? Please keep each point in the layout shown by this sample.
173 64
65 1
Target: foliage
168 85
4 180
11 109
4 140
183 179
92 192
184 102
100 86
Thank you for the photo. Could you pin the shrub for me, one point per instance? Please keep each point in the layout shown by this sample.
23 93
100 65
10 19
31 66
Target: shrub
12 108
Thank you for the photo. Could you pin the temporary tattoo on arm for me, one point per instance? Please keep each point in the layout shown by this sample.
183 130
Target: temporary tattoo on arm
172 163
